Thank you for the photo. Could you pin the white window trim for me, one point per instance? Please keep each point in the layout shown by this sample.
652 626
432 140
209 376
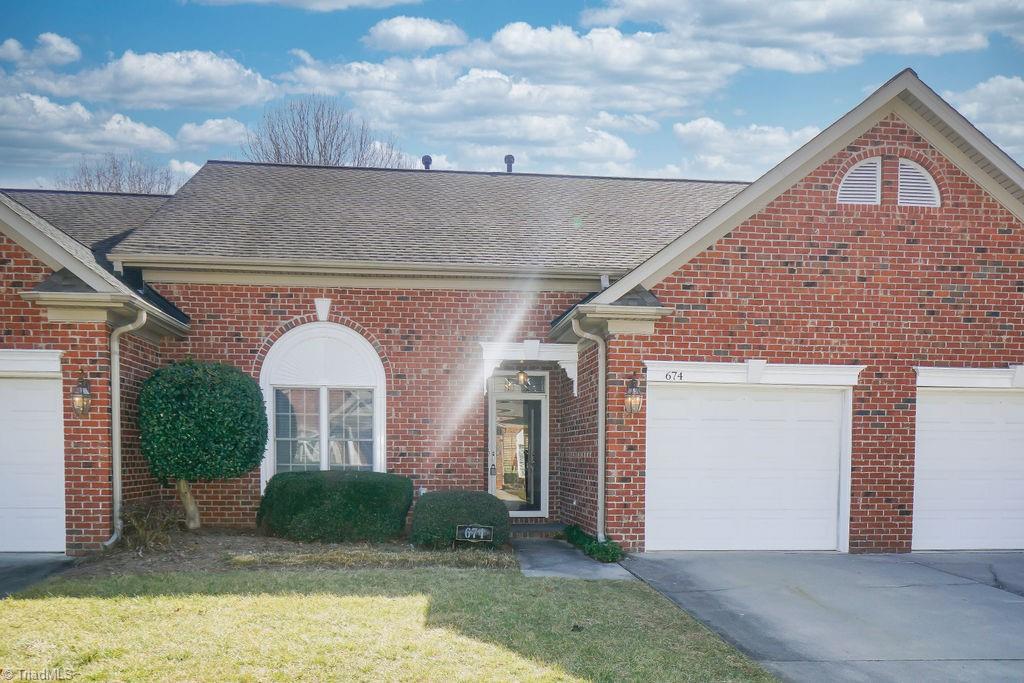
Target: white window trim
545 418
278 354
30 363
756 372
495 353
323 419
753 371
878 182
971 378
931 181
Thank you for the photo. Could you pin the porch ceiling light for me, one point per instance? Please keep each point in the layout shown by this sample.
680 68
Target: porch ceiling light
81 397
522 377
634 399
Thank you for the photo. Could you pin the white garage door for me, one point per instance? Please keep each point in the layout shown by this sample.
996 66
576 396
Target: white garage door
743 467
31 466
969 469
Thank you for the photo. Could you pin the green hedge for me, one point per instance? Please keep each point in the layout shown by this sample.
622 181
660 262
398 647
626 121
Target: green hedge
607 551
335 506
438 513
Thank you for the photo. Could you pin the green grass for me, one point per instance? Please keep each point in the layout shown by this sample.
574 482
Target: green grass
368 625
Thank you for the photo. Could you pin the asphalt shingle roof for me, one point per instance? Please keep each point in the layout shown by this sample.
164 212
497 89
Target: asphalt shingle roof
242 210
89 217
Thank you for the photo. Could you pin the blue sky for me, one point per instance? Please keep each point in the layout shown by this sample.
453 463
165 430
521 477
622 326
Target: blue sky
673 88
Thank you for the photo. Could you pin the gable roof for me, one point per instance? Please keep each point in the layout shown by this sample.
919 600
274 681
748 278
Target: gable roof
905 94
89 217
231 212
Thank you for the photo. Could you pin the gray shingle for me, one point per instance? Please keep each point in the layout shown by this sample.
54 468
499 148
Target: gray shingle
529 221
89 217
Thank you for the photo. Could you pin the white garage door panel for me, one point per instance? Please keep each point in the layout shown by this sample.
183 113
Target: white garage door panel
743 468
31 466
969 470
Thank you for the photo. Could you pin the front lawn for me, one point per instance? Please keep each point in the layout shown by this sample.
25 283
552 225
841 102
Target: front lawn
382 624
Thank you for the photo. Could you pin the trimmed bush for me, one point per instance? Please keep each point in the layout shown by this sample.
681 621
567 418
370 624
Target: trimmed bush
607 551
438 513
335 506
200 421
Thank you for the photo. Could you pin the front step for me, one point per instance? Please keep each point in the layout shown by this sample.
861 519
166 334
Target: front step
547 530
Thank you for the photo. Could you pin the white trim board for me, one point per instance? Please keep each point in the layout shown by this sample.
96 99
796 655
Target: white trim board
30 363
971 378
754 371
495 353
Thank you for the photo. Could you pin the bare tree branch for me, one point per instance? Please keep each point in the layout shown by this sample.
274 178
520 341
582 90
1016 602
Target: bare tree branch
118 173
319 131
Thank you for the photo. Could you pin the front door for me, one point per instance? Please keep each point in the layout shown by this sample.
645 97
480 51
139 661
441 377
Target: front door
518 468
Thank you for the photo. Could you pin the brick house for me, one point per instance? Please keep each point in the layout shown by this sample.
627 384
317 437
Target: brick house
829 358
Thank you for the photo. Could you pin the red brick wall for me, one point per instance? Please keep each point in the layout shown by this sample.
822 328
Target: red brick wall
428 340
809 281
139 358
85 348
577 459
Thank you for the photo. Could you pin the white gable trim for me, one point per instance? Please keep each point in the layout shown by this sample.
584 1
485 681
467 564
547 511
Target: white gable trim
756 196
971 378
753 371
530 349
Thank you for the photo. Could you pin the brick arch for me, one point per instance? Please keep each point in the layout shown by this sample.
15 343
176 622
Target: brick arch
927 160
271 339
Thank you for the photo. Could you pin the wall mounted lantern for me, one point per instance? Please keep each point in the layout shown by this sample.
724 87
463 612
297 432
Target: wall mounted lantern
81 397
634 399
523 378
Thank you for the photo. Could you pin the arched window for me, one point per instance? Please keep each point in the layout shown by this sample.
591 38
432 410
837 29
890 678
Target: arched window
862 184
917 187
324 387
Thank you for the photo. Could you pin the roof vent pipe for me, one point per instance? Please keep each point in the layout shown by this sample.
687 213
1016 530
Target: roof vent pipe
426 161
509 160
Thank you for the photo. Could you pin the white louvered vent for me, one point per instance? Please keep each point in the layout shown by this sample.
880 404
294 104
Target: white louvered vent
917 187
862 184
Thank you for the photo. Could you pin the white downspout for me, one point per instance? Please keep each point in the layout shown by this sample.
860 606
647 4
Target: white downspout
602 372
115 421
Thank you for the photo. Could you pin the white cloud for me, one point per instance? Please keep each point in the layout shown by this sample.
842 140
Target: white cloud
996 107
183 169
402 33
35 129
636 123
226 131
50 49
716 151
799 36
160 80
315 5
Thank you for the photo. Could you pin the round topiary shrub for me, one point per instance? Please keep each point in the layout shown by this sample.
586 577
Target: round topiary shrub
438 513
200 421
335 506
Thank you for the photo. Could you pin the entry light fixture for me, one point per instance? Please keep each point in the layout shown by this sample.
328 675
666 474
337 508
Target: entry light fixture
634 399
81 397
523 378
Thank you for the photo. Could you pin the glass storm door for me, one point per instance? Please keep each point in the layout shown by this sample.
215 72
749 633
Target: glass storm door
518 470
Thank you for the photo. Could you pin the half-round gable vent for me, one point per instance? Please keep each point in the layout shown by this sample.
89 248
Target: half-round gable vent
862 184
917 187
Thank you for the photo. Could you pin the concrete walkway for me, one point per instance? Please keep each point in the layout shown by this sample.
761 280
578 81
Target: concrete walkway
551 557
21 570
837 617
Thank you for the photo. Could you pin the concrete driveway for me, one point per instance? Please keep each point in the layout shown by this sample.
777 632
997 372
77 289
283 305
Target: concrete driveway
827 616
21 570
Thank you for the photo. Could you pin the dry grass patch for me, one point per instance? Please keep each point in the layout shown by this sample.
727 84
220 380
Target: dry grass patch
380 557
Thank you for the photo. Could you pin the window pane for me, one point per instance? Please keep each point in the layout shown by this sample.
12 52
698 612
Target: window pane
297 429
351 429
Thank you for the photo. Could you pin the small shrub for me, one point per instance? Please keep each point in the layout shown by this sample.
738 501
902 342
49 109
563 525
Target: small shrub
607 551
335 506
148 524
438 513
